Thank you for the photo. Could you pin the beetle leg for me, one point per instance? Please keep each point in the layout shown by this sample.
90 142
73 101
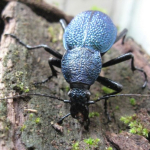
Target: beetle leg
106 110
123 58
56 62
87 123
121 35
61 120
112 85
48 49
52 62
63 24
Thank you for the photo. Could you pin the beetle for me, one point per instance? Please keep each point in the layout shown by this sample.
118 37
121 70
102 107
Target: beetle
86 39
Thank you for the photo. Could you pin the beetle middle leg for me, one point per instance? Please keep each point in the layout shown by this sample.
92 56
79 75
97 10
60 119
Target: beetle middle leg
52 62
123 58
112 85
46 48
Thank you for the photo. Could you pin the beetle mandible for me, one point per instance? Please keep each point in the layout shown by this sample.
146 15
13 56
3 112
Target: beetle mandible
86 39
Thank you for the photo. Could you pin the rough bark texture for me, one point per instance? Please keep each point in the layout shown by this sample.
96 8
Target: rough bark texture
26 130
50 13
41 8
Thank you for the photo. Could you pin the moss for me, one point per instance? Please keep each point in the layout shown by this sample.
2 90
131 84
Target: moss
135 125
16 53
52 34
18 73
23 128
67 88
132 101
75 146
92 143
86 144
109 148
37 120
107 90
93 114
7 128
26 90
20 86
117 108
3 108
31 116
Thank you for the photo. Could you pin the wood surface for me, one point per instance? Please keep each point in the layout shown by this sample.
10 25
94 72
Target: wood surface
20 68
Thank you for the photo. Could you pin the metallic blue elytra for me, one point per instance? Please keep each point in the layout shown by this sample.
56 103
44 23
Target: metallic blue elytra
81 65
90 29
88 34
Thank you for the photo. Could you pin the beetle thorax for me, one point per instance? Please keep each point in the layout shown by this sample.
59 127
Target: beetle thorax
79 95
81 65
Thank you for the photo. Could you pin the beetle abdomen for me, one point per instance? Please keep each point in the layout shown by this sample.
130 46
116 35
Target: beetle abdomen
81 65
90 28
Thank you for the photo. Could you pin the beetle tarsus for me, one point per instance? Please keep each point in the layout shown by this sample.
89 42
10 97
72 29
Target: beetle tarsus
46 80
86 125
106 110
61 120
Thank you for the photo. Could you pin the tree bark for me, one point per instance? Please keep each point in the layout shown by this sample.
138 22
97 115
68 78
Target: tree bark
50 13
26 123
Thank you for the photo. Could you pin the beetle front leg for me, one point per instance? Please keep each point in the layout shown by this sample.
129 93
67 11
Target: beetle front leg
61 120
123 58
112 85
52 62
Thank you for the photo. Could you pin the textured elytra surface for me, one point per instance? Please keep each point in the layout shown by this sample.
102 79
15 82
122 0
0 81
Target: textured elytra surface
90 29
81 65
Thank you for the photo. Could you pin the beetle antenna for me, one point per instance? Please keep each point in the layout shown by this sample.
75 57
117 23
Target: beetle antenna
118 95
36 94
68 101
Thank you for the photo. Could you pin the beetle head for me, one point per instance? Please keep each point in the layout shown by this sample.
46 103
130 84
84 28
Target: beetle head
79 106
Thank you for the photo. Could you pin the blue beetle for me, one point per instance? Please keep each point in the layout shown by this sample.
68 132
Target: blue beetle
86 39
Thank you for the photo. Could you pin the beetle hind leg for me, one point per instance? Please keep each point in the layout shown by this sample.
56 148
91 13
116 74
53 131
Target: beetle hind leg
123 58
